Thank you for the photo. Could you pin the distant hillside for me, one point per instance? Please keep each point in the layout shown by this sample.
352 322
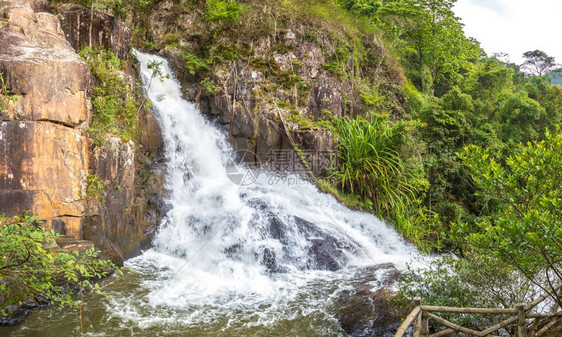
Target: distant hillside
556 77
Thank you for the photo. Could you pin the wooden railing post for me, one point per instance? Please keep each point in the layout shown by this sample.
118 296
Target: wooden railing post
521 322
418 323
424 325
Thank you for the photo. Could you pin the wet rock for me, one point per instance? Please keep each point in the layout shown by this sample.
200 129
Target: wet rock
321 251
269 261
121 224
18 312
366 310
325 254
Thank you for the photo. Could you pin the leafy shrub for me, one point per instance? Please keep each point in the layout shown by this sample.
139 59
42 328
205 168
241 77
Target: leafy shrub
172 38
209 86
193 63
366 8
370 163
33 265
3 93
227 11
95 186
116 103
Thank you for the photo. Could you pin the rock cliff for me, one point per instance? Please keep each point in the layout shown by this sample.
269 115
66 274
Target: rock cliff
45 154
43 157
279 74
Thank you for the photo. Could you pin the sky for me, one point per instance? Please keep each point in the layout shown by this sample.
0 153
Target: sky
513 26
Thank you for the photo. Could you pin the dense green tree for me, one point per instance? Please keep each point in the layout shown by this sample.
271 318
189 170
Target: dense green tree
526 231
435 51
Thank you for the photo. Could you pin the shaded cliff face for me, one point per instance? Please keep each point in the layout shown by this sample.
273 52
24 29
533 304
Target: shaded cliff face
107 32
45 154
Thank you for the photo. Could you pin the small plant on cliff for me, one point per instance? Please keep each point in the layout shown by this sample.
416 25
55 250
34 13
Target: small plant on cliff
209 86
193 63
3 93
32 264
227 11
116 103
95 186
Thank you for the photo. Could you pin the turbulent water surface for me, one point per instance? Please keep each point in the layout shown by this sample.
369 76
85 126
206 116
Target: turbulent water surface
257 258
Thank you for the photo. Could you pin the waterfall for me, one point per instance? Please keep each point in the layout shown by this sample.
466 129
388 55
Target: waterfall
226 250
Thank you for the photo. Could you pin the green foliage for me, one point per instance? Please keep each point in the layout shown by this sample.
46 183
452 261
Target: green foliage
474 281
526 231
171 39
33 265
307 124
3 93
372 97
335 68
369 163
193 63
149 45
95 186
434 50
519 116
209 86
366 8
116 103
227 11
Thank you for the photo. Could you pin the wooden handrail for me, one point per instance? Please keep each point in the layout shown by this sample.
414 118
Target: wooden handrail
500 325
407 322
556 314
453 325
468 310
442 333
546 328
421 313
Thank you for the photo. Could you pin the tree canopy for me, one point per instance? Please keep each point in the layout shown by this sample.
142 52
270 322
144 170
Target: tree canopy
539 63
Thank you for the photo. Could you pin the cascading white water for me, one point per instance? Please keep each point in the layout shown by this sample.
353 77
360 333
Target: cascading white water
245 254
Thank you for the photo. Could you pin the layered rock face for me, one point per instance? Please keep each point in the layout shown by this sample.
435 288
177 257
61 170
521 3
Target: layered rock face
43 152
45 155
105 31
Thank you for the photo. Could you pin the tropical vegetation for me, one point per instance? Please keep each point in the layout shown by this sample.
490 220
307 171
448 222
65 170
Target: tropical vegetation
33 265
458 149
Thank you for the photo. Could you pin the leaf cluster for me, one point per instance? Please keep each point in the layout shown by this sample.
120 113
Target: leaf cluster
34 265
116 102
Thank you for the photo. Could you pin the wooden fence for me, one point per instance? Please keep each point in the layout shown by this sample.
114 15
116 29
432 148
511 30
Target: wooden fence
527 323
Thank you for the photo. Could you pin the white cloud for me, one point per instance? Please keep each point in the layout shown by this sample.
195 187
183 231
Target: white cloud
493 5
513 26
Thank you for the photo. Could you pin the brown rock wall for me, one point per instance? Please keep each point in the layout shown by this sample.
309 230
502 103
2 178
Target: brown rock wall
43 169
